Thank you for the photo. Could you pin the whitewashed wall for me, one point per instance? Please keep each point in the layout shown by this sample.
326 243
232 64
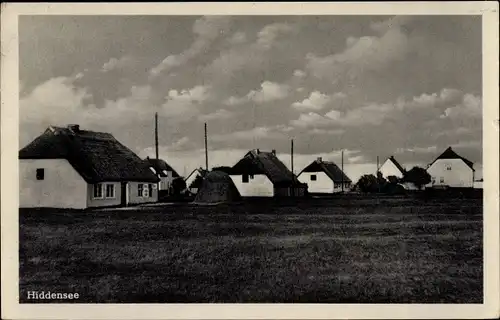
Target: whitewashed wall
460 174
323 183
390 169
62 186
133 195
259 186
104 201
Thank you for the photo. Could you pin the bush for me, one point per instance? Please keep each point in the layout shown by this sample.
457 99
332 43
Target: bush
418 176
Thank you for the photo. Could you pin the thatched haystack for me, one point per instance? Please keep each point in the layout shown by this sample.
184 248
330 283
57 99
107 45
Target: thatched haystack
217 187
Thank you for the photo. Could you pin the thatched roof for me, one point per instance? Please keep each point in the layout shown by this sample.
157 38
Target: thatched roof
159 166
449 153
96 156
260 162
329 168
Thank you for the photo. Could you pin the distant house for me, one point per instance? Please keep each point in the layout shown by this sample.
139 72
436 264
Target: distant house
391 167
165 172
324 177
195 179
66 167
262 174
451 170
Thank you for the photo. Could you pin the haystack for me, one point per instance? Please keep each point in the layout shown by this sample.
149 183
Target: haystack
217 187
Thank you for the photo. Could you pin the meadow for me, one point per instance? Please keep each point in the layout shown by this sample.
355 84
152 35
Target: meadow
332 250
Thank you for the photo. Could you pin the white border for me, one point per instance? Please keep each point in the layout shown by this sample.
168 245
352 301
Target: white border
11 309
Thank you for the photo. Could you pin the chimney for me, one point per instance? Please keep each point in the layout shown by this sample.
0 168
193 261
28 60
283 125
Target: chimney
273 151
74 127
319 159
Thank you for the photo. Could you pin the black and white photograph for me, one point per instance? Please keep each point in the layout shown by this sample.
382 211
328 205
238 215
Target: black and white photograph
252 158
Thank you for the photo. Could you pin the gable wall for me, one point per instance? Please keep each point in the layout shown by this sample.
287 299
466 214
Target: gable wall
460 174
62 186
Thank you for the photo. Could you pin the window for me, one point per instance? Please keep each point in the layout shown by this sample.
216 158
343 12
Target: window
150 190
97 191
313 177
140 190
251 176
244 178
110 191
336 185
433 180
40 174
441 180
448 167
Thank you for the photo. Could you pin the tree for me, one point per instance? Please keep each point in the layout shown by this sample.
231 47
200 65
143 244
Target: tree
393 179
418 176
367 183
178 185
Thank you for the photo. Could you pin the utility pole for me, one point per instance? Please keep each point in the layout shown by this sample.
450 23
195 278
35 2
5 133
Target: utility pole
342 165
156 135
206 148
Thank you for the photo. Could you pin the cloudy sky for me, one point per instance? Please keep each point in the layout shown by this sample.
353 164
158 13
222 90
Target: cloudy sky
373 86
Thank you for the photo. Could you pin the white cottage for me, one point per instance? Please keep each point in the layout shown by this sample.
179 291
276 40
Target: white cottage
324 177
164 171
73 168
262 174
391 167
451 170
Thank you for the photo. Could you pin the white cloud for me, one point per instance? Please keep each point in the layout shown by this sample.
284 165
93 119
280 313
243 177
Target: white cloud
238 38
470 107
429 149
56 100
233 101
207 29
183 143
255 133
268 35
299 73
310 119
333 132
333 114
315 101
185 104
361 55
269 91
196 94
115 63
220 114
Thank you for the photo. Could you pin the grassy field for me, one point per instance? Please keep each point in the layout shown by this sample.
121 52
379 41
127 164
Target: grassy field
331 250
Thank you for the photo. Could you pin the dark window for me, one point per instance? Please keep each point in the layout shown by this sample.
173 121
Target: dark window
441 180
313 177
150 190
140 190
448 167
40 174
97 191
110 191
244 178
